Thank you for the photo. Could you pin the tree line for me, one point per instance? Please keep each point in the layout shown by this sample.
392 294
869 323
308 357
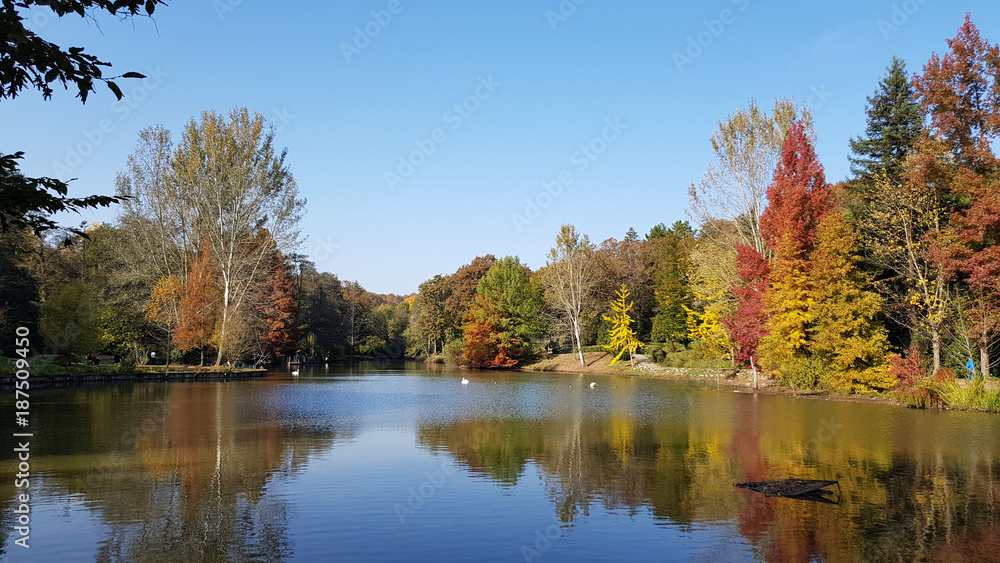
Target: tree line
854 285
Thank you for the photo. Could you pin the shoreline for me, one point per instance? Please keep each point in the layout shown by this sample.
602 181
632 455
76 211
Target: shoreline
39 381
737 380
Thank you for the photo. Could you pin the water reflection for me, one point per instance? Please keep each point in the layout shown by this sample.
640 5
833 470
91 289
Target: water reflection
281 469
175 472
915 485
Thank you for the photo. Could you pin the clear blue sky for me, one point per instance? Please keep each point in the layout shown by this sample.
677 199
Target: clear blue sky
532 89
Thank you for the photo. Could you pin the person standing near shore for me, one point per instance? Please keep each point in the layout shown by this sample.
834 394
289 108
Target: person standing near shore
971 365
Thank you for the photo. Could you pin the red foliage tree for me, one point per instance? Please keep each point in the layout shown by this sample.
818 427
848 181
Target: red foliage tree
798 196
198 309
746 326
961 91
279 310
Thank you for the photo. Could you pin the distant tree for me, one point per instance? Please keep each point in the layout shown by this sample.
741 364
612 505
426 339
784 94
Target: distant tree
68 322
657 231
670 270
894 124
163 307
28 61
625 261
488 341
569 277
278 309
197 310
427 329
747 145
505 312
623 338
458 292
631 235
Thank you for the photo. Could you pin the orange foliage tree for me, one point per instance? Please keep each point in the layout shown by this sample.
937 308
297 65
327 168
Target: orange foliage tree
198 309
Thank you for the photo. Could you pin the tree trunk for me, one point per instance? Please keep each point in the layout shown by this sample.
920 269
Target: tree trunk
579 346
936 347
984 359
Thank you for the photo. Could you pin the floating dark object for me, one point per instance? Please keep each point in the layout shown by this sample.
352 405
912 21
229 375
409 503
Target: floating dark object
790 487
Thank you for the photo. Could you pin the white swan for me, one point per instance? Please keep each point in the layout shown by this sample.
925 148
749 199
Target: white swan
592 385
465 381
296 372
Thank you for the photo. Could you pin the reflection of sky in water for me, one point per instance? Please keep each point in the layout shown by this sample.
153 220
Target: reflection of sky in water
386 466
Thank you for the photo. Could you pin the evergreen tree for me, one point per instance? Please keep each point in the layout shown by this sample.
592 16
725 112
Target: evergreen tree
671 271
894 124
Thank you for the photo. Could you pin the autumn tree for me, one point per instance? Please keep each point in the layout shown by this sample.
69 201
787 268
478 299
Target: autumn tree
961 92
246 205
746 324
197 310
897 236
623 338
459 289
568 279
797 201
626 261
847 336
505 313
278 309
163 308
714 274
747 145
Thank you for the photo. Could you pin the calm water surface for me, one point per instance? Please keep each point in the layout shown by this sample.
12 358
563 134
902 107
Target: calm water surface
406 464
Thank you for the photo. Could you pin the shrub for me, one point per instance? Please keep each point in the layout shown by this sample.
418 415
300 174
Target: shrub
907 368
452 351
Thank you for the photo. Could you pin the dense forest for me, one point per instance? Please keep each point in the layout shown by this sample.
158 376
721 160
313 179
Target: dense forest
887 277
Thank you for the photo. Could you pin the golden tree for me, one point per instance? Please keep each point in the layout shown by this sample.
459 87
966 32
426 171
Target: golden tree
622 336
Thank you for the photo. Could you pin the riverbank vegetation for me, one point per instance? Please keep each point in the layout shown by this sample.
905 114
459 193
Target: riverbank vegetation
870 285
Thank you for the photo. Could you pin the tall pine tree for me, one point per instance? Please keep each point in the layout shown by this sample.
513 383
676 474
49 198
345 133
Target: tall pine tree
894 124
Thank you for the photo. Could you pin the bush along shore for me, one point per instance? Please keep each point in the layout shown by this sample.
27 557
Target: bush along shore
944 390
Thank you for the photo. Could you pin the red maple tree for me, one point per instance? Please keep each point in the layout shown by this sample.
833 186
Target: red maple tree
798 196
278 309
746 325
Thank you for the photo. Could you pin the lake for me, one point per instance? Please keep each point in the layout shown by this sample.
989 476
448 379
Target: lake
404 463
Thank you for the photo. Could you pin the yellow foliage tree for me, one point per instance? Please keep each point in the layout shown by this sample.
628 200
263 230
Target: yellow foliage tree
622 336
163 306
